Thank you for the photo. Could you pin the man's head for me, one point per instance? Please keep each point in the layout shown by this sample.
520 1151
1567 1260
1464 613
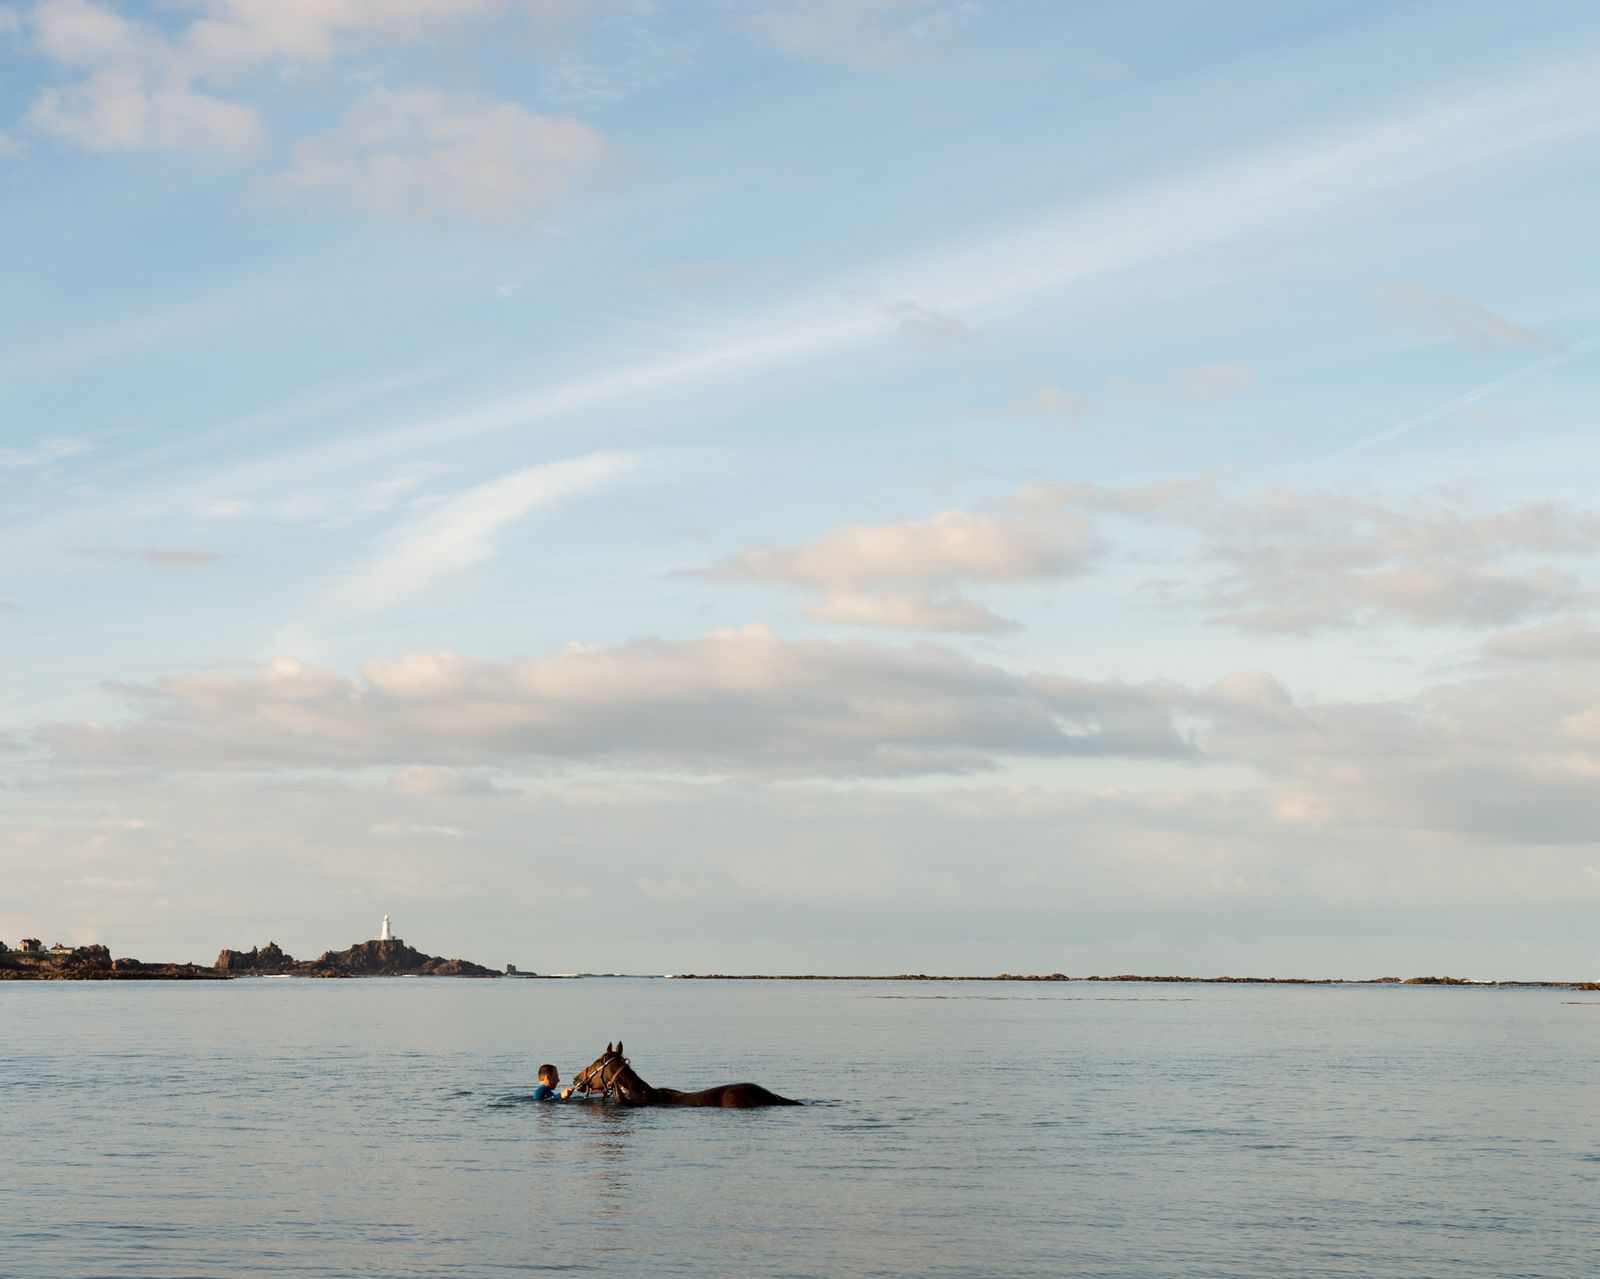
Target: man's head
549 1076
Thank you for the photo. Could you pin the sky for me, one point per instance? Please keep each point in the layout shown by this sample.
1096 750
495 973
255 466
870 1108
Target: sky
804 485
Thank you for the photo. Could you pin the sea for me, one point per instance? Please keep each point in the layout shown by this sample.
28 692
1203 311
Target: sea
283 1127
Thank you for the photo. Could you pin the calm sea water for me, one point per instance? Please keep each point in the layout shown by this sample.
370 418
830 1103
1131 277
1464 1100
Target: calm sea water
380 1128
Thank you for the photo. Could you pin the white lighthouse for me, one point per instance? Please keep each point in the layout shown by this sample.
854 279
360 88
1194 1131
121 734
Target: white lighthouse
385 934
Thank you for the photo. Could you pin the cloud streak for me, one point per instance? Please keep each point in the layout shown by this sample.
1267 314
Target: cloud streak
1441 411
463 530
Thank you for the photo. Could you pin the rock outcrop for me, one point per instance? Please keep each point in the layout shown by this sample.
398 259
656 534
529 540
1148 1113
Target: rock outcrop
258 959
364 959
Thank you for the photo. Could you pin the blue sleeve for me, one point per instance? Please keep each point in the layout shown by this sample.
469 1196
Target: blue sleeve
544 1092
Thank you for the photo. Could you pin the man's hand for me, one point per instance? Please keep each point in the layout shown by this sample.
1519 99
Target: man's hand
565 1093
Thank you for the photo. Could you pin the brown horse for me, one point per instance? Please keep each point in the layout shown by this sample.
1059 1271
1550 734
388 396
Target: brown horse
612 1076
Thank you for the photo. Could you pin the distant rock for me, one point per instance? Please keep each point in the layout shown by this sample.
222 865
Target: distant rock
258 959
92 963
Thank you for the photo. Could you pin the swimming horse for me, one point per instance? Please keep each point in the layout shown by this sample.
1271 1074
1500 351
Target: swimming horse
611 1074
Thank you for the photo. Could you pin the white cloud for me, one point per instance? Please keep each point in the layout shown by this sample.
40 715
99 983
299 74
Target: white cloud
461 531
420 153
137 95
235 36
730 701
141 89
1468 322
891 574
1197 384
122 111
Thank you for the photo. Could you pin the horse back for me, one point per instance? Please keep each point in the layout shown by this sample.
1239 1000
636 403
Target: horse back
729 1096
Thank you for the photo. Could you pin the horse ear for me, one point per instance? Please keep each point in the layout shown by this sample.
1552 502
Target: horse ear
619 1047
608 1045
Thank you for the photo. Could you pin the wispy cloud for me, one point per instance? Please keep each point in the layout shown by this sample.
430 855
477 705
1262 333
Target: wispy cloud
860 32
1568 640
928 327
41 454
422 154
1300 560
1048 403
462 530
1196 384
1277 187
149 556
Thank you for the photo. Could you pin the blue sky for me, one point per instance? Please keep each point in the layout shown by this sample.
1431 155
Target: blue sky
812 486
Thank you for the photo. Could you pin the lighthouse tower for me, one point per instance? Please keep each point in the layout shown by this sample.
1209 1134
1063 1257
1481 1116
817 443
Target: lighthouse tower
385 934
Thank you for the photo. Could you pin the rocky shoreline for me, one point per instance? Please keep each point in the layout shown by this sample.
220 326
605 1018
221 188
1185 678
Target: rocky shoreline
390 958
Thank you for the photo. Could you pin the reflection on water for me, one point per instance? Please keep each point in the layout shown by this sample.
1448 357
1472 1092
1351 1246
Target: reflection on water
603 1184
386 1129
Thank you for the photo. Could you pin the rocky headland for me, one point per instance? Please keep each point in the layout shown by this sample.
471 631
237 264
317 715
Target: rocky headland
392 958
93 963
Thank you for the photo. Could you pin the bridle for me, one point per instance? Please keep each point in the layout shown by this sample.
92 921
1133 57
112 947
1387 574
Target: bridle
584 1083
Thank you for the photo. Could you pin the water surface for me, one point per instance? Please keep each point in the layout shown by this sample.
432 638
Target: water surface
381 1128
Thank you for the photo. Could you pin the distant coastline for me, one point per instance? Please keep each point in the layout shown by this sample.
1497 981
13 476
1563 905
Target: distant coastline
1162 980
391 957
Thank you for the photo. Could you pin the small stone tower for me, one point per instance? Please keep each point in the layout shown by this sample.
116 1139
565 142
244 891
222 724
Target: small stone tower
386 933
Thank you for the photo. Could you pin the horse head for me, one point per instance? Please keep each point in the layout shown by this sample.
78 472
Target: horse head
601 1074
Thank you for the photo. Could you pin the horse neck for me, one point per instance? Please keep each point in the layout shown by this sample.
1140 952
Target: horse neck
630 1086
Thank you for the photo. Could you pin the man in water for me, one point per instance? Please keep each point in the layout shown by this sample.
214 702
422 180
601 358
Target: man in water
545 1090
